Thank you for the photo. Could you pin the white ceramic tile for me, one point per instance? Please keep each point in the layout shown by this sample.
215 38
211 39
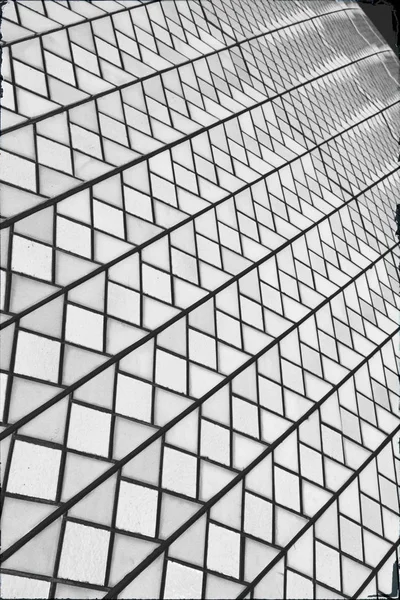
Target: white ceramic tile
287 490
137 509
179 472
123 303
84 327
258 519
182 582
108 218
31 258
328 566
37 357
74 237
84 553
34 470
223 550
215 442
245 417
156 283
13 586
170 371
133 398
18 171
54 155
298 586
89 430
202 349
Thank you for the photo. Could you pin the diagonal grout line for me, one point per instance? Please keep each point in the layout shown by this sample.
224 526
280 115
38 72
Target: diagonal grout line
63 27
122 86
166 543
47 578
374 572
152 240
194 406
87 184
313 520
114 359
192 218
110 592
317 515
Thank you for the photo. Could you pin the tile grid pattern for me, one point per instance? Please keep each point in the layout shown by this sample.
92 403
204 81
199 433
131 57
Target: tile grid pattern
199 300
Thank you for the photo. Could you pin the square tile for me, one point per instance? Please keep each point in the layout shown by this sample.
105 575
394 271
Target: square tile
17 170
298 587
32 258
59 68
108 219
23 587
89 430
34 470
332 443
258 517
170 371
123 303
74 237
327 565
351 538
292 376
184 266
156 283
223 553
251 312
270 395
311 464
179 472
137 509
215 442
37 357
84 327
287 491
134 398
245 417
54 155
229 329
84 553
84 140
182 582
202 349
137 203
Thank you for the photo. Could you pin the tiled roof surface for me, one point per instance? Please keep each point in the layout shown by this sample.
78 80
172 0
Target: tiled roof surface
200 299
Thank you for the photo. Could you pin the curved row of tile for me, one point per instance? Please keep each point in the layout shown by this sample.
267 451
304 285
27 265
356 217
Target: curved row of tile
224 369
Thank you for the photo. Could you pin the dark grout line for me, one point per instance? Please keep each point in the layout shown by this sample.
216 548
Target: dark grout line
125 85
117 170
117 466
63 27
210 503
192 218
376 570
315 518
162 327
